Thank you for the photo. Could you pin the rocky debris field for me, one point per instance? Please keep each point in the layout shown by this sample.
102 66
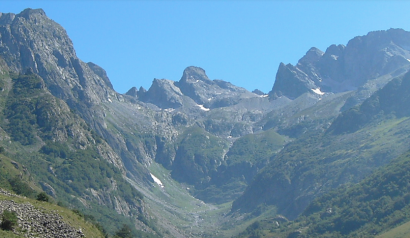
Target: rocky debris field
34 223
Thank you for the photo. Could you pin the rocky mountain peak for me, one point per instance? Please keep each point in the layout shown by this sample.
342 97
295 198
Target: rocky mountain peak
335 50
312 55
380 39
291 82
193 74
163 93
258 92
29 13
345 68
100 72
6 18
133 92
32 40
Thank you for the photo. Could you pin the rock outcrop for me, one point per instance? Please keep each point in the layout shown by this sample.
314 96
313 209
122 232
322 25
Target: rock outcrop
345 68
31 40
37 223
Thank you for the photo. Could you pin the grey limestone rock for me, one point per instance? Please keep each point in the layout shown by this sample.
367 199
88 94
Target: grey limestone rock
37 223
345 68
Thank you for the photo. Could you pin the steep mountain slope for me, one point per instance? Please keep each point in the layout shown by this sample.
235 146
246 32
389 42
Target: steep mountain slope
62 155
31 40
140 127
201 137
390 101
345 68
375 205
374 133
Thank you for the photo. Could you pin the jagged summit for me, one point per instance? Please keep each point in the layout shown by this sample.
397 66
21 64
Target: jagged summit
164 94
194 89
132 92
30 13
31 40
345 68
193 73
258 92
220 141
291 82
311 56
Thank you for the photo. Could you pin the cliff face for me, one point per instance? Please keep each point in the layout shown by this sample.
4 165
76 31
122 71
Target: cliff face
52 106
345 68
31 40
59 152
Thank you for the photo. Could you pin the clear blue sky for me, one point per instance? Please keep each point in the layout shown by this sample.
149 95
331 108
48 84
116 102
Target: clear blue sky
241 42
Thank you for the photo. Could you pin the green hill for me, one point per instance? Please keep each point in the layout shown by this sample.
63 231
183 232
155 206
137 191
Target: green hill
377 204
319 161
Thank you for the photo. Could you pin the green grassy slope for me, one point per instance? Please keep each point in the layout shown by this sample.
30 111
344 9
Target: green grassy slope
320 161
377 204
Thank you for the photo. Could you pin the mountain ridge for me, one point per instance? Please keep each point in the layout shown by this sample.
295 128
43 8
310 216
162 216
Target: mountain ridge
216 141
338 69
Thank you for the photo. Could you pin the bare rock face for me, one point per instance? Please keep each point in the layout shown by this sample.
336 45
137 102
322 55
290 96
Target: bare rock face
297 82
164 94
193 91
31 40
195 84
143 126
345 68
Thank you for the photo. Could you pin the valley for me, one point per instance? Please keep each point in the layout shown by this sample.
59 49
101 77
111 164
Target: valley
205 158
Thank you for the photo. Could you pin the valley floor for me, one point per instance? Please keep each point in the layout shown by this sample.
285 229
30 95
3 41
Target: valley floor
181 214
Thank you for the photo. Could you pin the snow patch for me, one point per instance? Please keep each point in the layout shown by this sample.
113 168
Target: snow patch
203 108
263 96
317 91
334 57
157 181
408 60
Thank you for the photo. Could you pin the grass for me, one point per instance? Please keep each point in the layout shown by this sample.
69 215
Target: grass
401 231
9 234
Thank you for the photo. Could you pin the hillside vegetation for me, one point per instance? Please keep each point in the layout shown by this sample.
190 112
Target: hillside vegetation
377 204
60 154
205 158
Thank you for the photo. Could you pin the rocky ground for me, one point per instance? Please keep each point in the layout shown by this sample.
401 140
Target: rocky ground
32 222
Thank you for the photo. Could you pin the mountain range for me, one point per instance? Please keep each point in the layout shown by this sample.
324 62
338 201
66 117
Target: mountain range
200 157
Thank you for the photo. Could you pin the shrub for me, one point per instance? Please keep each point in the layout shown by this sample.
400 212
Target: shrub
124 232
9 220
20 187
43 197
